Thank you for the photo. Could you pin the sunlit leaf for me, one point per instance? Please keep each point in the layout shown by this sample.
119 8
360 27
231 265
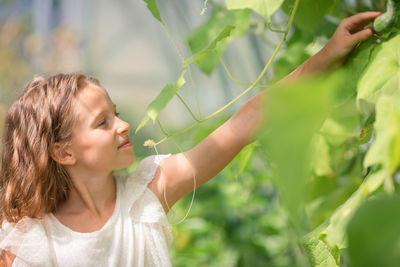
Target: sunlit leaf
386 147
161 101
381 75
264 7
206 33
199 56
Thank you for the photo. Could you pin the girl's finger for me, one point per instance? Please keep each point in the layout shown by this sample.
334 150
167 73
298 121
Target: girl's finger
359 21
361 35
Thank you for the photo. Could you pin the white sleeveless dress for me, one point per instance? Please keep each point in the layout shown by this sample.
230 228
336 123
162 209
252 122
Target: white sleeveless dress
137 234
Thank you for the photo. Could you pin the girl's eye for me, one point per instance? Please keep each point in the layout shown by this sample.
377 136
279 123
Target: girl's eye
103 122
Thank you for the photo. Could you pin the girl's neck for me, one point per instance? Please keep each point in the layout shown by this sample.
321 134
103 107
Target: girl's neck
93 194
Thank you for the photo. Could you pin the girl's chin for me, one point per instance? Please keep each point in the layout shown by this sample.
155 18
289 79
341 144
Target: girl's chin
127 163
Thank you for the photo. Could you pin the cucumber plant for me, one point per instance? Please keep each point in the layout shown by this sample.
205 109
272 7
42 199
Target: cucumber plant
332 143
385 23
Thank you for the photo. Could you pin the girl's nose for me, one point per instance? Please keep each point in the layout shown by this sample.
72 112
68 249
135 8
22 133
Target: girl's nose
123 127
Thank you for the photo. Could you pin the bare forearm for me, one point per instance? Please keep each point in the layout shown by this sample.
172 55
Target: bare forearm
249 117
313 65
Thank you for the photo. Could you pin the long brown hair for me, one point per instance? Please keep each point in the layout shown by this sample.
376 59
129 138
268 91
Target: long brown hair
31 182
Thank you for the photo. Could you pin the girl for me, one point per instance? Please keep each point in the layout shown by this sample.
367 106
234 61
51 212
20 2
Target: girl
61 204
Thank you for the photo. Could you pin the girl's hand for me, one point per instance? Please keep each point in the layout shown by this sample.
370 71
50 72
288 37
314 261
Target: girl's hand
349 33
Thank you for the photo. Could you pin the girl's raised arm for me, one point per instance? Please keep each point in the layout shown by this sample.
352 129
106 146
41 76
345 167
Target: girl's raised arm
211 155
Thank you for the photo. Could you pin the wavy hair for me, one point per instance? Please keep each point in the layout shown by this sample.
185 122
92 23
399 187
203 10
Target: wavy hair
31 182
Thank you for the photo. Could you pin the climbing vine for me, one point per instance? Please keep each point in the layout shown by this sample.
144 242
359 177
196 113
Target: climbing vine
332 144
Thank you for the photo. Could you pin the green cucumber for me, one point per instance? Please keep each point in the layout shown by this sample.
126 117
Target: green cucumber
385 22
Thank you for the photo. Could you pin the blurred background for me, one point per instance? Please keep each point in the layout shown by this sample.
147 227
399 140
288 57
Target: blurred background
121 44
236 219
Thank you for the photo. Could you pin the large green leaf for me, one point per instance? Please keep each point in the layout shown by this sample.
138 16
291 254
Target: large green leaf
310 13
374 233
161 101
381 75
385 149
295 112
358 61
334 234
152 6
264 7
214 36
330 236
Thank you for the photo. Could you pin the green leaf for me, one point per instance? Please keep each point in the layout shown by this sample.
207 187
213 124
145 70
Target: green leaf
386 147
319 254
310 13
161 101
374 233
367 130
152 6
321 157
341 123
205 34
381 75
199 56
143 123
245 156
265 7
329 192
295 113
333 231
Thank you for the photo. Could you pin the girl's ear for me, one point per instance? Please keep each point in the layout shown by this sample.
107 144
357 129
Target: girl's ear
59 153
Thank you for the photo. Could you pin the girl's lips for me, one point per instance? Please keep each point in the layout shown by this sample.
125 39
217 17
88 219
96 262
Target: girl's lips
128 144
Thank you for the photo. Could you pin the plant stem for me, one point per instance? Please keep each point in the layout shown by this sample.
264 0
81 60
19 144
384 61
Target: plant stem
161 128
187 107
253 85
173 43
194 91
188 68
230 75
179 132
274 30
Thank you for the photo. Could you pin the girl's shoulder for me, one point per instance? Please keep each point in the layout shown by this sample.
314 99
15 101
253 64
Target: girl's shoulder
138 200
27 240
145 170
135 183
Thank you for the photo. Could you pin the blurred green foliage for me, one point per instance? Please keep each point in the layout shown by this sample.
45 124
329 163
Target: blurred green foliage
306 192
319 186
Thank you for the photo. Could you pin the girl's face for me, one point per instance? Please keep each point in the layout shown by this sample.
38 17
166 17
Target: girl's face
99 141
